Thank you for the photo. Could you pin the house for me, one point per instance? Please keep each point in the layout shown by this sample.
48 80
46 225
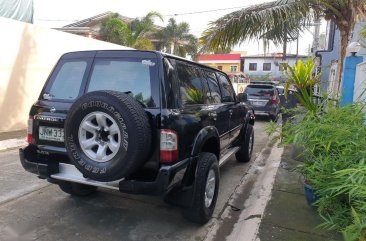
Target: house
269 66
90 27
225 62
327 60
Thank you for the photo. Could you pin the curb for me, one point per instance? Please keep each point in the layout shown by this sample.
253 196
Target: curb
12 143
251 197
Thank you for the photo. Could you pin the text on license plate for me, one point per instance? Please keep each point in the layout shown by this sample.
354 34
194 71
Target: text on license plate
258 103
51 133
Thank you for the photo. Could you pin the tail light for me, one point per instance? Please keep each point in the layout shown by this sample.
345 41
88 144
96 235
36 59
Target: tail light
168 146
274 100
30 130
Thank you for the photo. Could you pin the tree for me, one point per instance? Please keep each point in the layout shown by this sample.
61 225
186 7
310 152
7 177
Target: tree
142 29
134 34
281 20
177 40
116 31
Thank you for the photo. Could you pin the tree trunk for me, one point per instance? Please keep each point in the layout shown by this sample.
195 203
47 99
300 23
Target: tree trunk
342 55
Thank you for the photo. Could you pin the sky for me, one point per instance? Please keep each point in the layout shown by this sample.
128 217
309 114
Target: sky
57 13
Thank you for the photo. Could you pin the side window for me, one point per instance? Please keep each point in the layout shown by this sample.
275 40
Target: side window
215 97
190 85
228 94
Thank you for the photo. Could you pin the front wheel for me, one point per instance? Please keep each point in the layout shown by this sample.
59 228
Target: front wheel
206 189
246 146
76 189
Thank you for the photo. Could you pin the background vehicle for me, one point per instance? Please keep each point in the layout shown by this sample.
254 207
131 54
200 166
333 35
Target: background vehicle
264 99
139 122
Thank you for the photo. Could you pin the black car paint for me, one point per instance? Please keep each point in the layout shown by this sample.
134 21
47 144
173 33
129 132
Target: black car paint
216 126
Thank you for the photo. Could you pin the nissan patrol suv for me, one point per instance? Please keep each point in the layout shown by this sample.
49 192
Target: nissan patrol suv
140 122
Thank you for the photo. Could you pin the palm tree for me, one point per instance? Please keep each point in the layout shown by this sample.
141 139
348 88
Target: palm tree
142 29
135 34
177 40
114 30
281 20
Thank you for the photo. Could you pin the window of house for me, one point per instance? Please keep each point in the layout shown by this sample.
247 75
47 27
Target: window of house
233 68
252 66
190 84
228 94
282 66
267 66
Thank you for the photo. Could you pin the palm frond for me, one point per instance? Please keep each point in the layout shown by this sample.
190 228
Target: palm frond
268 20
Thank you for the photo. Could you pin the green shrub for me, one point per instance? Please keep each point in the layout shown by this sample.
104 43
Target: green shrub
333 145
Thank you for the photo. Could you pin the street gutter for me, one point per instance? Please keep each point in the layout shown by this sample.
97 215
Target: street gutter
242 216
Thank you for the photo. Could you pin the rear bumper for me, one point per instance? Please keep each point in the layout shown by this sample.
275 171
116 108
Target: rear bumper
167 178
265 111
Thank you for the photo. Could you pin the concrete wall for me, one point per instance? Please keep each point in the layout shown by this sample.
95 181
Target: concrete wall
27 55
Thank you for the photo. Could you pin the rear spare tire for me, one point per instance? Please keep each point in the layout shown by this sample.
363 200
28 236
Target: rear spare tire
107 135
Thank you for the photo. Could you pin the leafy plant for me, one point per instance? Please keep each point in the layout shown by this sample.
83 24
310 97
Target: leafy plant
195 96
300 77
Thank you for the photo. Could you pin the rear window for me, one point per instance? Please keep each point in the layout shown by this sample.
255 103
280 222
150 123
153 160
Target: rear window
259 90
130 75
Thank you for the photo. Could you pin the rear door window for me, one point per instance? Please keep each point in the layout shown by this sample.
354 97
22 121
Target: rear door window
228 94
259 90
66 80
129 75
190 84
215 95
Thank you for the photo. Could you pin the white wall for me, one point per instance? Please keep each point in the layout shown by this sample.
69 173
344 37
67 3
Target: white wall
27 55
360 83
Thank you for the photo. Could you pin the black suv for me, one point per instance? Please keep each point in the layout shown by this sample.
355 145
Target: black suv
139 122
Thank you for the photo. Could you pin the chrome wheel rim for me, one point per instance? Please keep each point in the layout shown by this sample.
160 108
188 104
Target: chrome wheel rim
210 188
99 136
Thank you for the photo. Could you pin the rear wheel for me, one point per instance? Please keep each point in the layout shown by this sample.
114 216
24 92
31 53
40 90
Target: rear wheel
246 148
76 189
206 189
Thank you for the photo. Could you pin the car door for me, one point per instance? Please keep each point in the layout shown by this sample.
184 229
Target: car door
219 110
236 109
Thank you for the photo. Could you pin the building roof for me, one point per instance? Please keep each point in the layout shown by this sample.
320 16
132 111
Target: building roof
274 55
97 18
216 57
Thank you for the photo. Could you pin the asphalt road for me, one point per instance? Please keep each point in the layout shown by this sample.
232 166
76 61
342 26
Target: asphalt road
32 209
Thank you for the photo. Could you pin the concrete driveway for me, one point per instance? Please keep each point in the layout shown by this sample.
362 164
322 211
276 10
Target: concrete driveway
32 209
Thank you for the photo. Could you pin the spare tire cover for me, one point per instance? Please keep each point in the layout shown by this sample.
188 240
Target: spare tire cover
107 135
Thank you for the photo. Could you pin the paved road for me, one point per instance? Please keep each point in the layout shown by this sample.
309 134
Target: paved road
32 209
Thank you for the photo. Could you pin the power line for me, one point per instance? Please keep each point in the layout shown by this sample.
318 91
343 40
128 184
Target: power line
204 11
165 15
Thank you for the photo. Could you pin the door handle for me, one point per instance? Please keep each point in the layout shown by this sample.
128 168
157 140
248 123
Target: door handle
231 112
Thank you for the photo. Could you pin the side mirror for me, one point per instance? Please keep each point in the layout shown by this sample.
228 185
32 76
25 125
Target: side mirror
243 97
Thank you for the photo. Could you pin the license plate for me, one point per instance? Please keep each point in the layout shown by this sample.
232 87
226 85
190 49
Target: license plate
51 134
258 103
